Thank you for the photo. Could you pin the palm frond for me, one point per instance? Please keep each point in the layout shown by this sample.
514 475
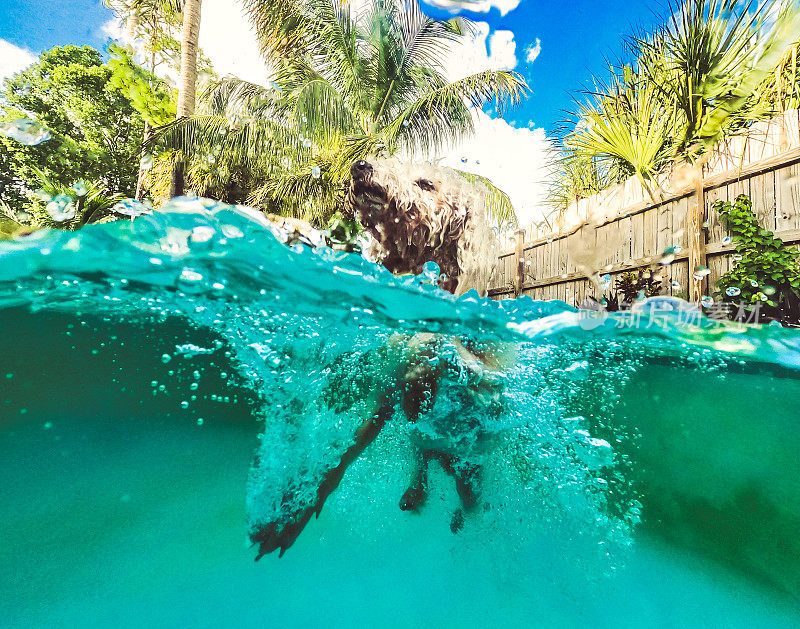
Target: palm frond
498 204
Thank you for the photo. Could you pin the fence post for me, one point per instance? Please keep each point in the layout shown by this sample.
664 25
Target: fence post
697 240
519 262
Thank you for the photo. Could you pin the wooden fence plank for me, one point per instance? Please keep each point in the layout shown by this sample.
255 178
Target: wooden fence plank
635 241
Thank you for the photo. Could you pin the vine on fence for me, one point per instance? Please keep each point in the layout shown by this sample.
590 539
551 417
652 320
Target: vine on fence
765 278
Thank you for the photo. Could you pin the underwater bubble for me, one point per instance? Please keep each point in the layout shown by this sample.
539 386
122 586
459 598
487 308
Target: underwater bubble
223 374
577 370
146 163
193 386
184 404
594 452
733 291
668 257
700 272
727 240
199 421
676 284
231 231
80 189
736 257
9 375
707 301
187 275
154 383
316 172
605 282
131 207
202 233
431 271
26 131
47 425
754 283
162 387
769 290
307 143
61 208
165 358
405 123
190 349
196 375
463 160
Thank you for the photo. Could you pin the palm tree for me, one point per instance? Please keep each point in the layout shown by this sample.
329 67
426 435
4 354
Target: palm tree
701 78
346 86
709 61
187 81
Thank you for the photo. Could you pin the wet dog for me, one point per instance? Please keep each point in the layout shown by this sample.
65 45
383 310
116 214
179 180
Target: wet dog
416 213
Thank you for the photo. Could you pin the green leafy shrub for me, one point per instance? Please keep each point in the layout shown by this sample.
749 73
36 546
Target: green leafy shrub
90 201
765 279
630 287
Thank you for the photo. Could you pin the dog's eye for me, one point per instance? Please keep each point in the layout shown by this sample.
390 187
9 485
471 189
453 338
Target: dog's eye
425 184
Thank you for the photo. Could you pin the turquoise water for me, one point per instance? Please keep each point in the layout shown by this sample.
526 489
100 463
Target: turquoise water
167 382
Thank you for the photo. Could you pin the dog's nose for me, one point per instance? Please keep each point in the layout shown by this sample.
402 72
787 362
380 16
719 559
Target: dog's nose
360 169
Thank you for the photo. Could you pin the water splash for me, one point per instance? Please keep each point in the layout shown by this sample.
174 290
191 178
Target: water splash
317 335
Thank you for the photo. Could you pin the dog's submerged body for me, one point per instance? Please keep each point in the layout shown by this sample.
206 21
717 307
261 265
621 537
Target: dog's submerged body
416 214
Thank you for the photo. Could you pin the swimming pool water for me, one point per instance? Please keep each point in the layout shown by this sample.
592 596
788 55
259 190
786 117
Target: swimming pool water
642 472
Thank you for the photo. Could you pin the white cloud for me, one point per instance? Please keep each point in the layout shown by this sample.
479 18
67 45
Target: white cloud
113 29
475 6
533 51
515 160
483 50
502 51
13 59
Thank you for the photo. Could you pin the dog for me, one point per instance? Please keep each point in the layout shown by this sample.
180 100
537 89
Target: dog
416 213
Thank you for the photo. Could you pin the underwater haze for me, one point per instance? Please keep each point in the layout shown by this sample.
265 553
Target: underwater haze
170 383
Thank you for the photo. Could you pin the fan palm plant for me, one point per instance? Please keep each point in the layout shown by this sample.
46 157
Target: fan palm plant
629 125
709 72
346 85
709 60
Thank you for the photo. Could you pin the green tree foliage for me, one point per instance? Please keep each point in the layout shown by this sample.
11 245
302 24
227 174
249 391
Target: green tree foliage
148 94
95 128
715 67
346 87
765 274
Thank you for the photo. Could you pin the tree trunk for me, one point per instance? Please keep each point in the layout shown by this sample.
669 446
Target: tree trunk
131 24
187 83
147 132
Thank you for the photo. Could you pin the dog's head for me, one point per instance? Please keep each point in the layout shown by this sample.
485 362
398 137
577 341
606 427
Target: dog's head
417 213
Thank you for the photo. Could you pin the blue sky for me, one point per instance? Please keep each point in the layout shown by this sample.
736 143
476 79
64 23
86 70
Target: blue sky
575 37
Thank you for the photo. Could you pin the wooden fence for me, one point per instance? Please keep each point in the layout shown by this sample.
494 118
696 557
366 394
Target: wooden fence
556 266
